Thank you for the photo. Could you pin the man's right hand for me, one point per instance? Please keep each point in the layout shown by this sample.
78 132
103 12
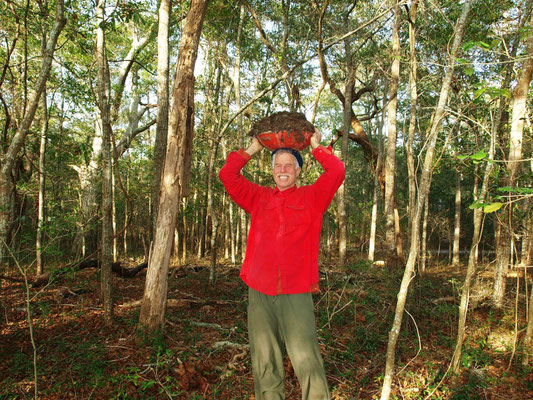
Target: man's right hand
254 147
315 139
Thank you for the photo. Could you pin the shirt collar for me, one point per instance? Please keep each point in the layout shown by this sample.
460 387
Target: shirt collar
285 192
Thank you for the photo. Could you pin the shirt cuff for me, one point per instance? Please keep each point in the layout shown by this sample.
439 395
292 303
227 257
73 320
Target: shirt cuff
320 148
245 155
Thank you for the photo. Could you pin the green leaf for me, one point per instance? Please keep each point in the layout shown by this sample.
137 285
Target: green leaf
469 71
476 205
495 93
492 207
480 155
507 189
479 92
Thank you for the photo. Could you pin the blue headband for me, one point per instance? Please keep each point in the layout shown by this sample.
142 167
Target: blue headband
295 153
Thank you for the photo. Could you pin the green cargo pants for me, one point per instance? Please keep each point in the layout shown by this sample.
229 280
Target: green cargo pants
279 324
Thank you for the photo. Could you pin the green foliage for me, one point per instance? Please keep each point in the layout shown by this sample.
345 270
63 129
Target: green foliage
476 356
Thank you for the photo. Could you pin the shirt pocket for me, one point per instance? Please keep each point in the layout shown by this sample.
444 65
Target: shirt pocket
297 218
268 220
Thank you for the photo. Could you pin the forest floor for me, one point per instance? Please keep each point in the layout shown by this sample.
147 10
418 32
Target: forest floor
203 353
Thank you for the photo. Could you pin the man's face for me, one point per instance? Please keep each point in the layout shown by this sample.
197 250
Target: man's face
285 171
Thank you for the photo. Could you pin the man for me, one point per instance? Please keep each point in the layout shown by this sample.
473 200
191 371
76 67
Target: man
281 265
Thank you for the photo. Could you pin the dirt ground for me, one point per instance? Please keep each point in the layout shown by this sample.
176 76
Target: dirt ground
203 352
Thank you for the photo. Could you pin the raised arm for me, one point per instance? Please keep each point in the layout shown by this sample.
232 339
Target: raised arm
332 177
240 189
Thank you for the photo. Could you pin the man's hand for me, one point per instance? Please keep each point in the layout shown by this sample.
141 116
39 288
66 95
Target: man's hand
254 147
315 139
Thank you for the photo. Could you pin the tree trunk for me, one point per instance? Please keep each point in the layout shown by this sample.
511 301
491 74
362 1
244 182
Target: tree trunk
424 242
423 193
106 251
238 230
527 239
175 172
126 218
341 193
184 239
518 106
39 267
161 131
214 217
8 158
390 160
114 211
457 220
413 69
472 258
377 188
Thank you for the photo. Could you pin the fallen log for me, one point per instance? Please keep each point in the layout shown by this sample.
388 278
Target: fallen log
171 303
116 267
177 303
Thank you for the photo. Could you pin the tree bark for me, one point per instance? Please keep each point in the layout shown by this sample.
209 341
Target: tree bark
423 193
106 250
413 91
39 265
341 193
161 131
457 220
390 159
175 173
377 191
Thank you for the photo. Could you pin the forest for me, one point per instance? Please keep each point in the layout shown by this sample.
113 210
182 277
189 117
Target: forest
120 250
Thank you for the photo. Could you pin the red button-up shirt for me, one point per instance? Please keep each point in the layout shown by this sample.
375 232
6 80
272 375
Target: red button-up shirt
283 241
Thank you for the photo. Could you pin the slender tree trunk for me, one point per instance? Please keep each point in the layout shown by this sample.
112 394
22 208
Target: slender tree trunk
106 250
175 173
423 193
184 239
238 230
377 185
424 242
161 134
527 240
232 233
126 218
39 267
472 259
390 160
114 213
398 234
457 220
518 106
413 70
214 218
341 193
